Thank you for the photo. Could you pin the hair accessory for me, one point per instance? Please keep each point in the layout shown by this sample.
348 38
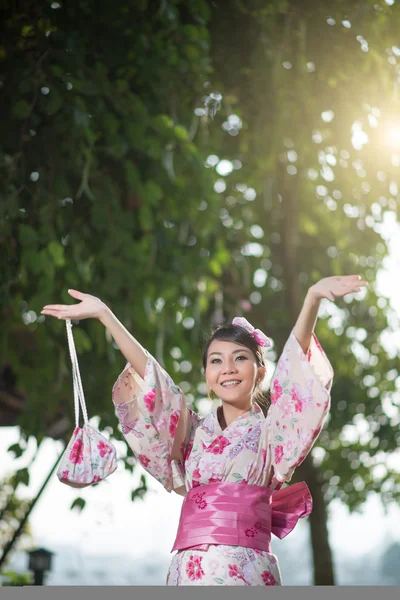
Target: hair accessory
259 336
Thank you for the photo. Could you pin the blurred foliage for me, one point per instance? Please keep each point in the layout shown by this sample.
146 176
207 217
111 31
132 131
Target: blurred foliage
112 183
12 511
103 188
12 578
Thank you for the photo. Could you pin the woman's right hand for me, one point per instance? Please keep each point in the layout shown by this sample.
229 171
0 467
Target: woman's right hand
89 307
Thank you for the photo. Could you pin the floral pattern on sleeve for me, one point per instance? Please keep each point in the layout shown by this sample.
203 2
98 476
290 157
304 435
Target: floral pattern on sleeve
154 419
300 401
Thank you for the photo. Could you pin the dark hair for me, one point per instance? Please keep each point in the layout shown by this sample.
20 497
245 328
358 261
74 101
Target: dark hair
239 335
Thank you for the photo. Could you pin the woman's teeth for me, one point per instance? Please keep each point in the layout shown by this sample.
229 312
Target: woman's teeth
230 383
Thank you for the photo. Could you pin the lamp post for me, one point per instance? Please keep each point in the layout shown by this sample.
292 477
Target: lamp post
39 562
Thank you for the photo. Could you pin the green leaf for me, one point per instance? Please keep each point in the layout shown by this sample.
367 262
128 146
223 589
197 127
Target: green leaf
163 123
192 52
309 227
27 235
153 192
215 267
132 175
110 123
22 476
181 133
146 218
99 216
16 449
27 31
21 109
140 491
218 580
37 262
82 340
54 101
56 252
57 70
79 504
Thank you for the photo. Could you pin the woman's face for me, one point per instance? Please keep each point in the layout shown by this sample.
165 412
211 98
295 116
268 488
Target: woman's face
231 372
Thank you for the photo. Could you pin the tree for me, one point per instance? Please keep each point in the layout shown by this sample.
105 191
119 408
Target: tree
300 78
103 187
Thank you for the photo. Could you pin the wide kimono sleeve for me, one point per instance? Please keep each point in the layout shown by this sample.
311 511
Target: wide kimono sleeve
155 421
300 402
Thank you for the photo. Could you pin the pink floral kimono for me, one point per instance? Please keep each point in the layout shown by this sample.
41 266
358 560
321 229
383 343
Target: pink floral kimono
182 450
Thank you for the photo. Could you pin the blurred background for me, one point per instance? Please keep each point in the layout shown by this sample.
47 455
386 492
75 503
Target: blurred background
189 162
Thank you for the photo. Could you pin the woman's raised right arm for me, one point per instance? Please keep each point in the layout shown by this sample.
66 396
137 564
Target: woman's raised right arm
91 307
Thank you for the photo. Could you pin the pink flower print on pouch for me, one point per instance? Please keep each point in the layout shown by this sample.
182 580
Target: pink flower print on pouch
144 460
96 479
103 448
150 400
218 445
268 578
65 474
76 454
278 454
193 568
276 392
173 423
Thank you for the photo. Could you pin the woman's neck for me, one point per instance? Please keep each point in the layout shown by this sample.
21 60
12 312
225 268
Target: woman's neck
228 413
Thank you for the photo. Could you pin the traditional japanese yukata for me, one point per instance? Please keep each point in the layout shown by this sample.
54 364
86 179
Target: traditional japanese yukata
231 478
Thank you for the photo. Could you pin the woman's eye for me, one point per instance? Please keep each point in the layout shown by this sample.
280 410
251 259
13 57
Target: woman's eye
244 357
215 360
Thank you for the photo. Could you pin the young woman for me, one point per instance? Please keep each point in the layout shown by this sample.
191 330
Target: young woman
230 465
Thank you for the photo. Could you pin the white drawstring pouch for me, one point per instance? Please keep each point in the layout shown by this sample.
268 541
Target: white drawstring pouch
89 456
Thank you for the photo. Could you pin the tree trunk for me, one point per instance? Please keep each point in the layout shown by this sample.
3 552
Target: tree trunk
321 551
322 555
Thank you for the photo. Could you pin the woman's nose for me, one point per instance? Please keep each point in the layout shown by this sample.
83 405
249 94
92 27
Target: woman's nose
229 367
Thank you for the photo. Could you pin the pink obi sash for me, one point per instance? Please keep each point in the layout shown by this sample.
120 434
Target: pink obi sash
240 515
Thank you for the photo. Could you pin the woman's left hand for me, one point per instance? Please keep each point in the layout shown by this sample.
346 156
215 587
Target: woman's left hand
334 287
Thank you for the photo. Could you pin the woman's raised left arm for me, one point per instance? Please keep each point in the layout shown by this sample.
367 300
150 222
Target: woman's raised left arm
331 288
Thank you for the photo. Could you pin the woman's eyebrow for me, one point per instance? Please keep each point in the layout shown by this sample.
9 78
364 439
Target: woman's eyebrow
234 352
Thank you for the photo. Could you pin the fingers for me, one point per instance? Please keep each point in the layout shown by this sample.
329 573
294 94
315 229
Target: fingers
58 314
56 307
61 311
349 278
76 294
